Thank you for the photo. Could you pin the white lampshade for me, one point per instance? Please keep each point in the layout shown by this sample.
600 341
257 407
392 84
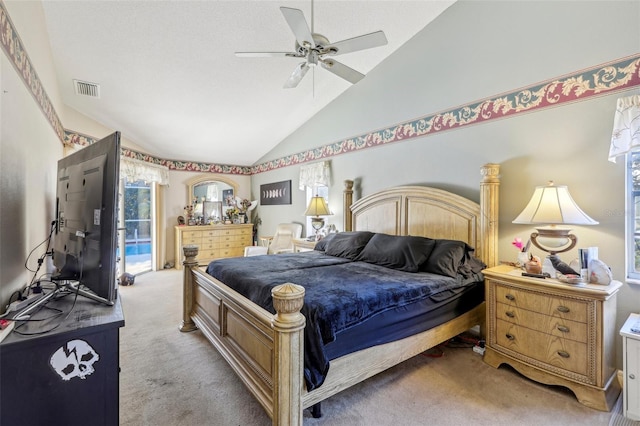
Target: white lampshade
549 206
553 205
317 207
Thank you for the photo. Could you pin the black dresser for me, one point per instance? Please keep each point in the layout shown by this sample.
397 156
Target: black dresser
65 371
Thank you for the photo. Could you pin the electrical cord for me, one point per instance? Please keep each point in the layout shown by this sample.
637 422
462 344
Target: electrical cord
75 299
46 240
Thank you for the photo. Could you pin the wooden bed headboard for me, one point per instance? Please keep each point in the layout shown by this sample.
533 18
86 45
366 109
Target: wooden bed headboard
431 212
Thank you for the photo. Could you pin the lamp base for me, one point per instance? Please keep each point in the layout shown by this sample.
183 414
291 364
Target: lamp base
554 240
317 223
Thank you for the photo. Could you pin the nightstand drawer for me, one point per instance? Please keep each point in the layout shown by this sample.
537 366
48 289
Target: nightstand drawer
547 305
558 352
555 326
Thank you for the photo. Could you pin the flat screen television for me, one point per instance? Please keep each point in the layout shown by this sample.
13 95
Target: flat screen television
85 238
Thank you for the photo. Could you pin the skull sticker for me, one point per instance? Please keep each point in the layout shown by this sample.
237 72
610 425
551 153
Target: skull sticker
74 359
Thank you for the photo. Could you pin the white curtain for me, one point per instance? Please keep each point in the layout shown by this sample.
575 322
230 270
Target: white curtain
135 170
314 174
626 127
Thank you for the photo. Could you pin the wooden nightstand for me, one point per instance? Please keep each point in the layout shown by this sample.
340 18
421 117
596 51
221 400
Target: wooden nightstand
303 244
554 333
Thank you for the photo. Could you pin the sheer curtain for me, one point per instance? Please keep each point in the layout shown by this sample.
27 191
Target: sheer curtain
626 127
134 170
314 174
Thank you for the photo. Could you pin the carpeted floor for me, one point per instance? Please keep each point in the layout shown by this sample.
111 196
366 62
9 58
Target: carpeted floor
174 378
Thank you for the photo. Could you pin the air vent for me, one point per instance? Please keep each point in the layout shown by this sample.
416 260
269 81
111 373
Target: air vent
87 89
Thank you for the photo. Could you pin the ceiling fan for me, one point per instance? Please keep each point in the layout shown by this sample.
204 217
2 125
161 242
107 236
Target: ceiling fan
316 49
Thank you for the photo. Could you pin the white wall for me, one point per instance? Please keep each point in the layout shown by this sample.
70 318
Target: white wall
29 153
474 50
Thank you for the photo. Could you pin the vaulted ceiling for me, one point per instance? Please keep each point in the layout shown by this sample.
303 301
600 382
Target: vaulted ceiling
170 82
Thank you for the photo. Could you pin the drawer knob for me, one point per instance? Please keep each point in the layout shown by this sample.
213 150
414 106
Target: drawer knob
563 328
510 336
632 376
510 314
563 354
563 309
510 297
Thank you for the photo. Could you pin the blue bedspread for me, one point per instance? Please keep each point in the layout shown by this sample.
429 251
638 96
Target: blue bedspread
339 293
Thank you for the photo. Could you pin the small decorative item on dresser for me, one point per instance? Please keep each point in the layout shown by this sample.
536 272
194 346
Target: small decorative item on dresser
523 258
533 265
599 273
523 251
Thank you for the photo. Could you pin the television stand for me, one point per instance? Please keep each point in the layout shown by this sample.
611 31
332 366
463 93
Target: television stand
76 289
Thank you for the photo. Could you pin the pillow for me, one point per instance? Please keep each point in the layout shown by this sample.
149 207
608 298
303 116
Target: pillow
404 253
348 244
322 244
447 257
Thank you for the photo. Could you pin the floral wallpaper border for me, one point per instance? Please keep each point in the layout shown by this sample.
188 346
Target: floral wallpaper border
15 51
71 137
618 75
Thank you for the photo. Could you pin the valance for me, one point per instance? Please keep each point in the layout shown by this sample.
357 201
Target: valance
626 127
315 174
134 170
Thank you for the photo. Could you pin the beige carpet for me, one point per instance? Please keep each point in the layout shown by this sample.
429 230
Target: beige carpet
174 378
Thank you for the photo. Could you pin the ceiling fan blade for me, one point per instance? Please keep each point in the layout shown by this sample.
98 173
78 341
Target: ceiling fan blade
342 70
297 22
266 54
296 76
362 42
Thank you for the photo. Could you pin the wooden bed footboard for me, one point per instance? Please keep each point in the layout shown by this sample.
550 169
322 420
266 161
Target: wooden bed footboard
265 350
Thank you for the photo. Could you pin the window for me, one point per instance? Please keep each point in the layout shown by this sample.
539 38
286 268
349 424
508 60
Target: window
633 218
322 191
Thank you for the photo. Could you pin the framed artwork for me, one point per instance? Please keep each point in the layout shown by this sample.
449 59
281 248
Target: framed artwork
272 194
227 194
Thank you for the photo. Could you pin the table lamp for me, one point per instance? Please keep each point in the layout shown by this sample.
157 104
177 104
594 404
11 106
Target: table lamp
317 207
552 205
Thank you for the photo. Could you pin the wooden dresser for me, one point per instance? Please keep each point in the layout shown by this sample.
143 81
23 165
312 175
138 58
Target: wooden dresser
214 241
554 333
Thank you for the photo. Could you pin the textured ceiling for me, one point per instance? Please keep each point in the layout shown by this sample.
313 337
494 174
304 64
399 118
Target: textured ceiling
170 82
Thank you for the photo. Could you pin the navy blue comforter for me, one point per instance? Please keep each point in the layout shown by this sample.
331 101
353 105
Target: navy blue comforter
339 293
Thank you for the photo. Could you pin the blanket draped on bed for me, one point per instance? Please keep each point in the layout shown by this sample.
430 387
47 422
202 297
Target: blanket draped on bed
339 293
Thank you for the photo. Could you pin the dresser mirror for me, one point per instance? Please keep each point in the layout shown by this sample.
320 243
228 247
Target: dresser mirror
208 197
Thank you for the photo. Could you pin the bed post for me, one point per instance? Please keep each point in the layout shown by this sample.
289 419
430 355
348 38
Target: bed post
347 201
489 189
190 262
288 325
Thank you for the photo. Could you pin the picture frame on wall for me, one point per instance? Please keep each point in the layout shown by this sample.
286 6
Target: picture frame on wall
276 193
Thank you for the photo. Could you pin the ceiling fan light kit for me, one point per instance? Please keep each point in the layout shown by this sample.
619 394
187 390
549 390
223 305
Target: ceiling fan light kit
314 47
